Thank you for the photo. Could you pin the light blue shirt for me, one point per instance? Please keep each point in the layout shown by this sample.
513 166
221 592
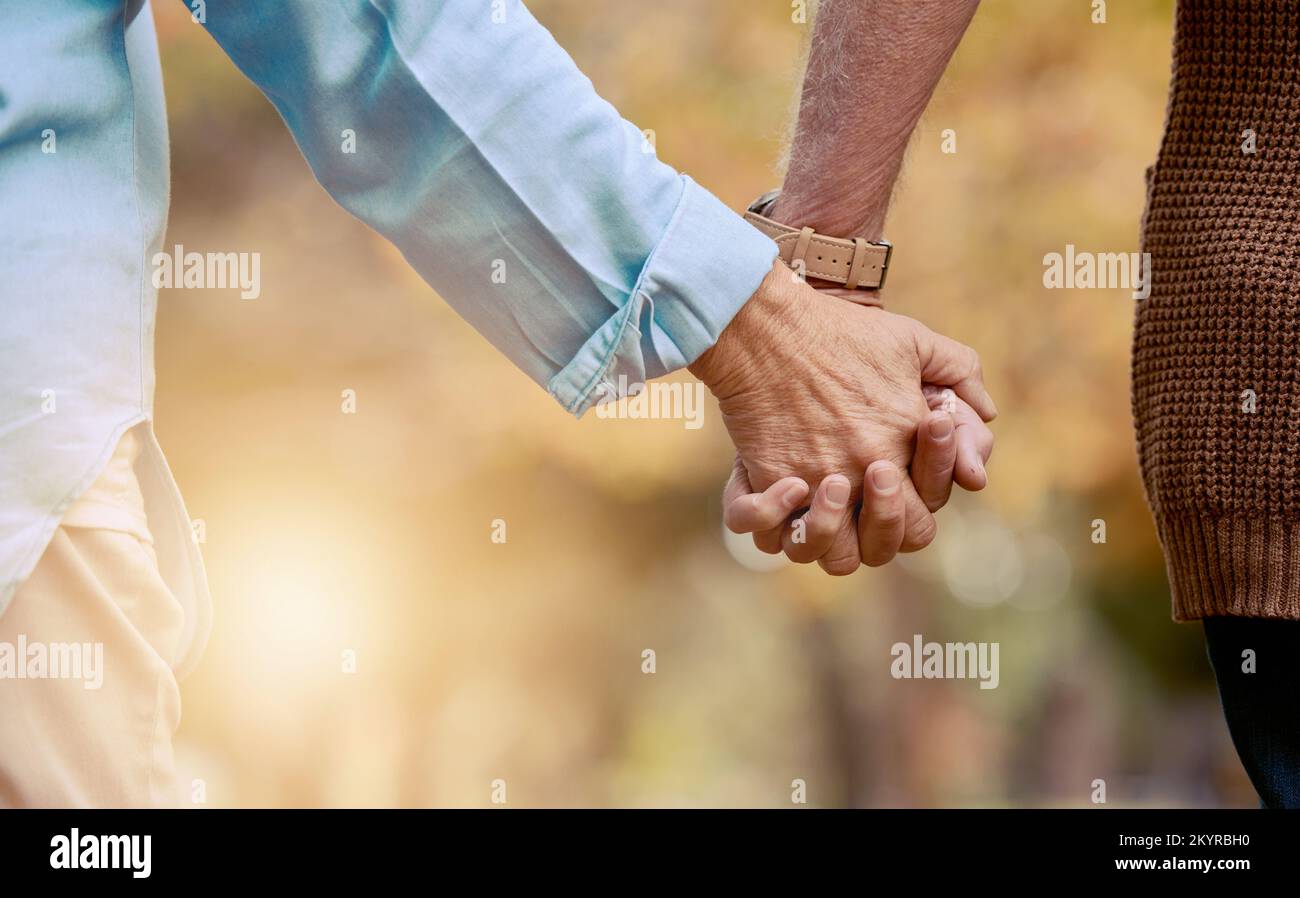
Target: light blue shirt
458 129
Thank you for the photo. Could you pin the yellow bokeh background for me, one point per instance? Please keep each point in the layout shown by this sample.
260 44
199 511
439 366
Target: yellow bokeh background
334 537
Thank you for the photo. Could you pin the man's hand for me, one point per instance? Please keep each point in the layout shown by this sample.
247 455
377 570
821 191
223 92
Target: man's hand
850 392
812 386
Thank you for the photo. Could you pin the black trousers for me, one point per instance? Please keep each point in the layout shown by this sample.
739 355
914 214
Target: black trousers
1257 664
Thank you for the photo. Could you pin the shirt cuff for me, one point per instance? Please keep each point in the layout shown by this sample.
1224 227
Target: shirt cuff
708 263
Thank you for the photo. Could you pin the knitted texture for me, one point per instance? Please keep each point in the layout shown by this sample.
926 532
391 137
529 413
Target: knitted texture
1216 392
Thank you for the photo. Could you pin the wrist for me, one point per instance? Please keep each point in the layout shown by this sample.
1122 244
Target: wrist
728 365
823 260
866 221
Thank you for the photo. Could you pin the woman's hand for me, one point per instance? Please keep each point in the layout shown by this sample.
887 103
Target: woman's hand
953 446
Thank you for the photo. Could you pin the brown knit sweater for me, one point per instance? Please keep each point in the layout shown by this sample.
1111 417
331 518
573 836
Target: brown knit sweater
1222 465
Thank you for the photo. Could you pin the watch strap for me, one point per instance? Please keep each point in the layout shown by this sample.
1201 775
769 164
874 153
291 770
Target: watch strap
854 262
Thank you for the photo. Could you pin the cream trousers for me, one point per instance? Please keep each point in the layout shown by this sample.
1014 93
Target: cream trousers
76 731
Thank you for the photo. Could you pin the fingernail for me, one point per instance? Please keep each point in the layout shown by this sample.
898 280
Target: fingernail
837 492
884 478
941 427
791 496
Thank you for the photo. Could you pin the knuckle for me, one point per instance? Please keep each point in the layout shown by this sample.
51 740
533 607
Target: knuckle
939 458
916 545
920 535
821 530
765 543
840 565
888 519
877 555
801 553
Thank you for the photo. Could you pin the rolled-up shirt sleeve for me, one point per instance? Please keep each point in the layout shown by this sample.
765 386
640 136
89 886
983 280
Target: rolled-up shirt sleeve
462 132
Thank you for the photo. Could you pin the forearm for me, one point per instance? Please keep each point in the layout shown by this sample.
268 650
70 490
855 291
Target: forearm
464 134
872 69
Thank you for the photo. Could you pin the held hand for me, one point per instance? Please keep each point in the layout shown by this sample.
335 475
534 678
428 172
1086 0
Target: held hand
972 438
811 385
959 457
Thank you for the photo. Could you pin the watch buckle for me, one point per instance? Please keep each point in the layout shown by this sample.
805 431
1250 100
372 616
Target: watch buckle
889 254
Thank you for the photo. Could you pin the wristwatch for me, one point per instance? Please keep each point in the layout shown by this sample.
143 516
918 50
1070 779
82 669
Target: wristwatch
852 261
